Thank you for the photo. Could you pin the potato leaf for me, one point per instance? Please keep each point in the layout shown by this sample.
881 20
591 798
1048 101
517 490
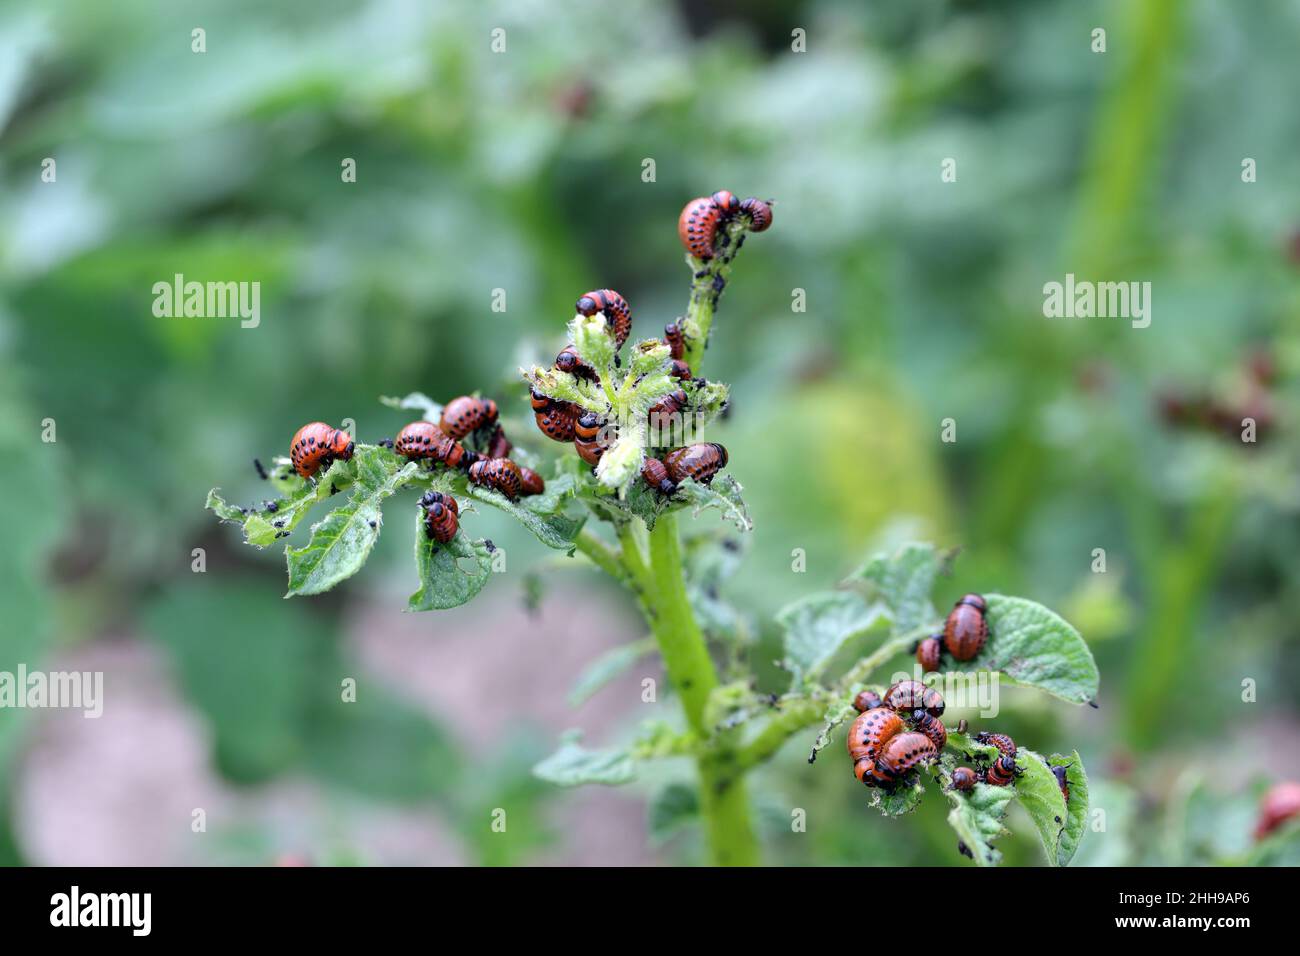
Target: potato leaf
450 574
340 544
1035 647
819 625
573 764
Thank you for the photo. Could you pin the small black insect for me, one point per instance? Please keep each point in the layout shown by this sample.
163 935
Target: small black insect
261 472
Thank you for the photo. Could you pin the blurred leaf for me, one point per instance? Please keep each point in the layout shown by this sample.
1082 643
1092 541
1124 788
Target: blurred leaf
1035 647
244 658
1109 839
430 411
573 765
609 666
671 809
817 626
1278 849
340 544
903 581
445 581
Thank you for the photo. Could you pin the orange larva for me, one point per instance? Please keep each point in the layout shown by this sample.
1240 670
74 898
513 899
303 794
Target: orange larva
656 476
1002 772
616 310
911 695
697 226
425 440
664 413
499 445
676 339
759 213
905 752
928 653
316 446
964 778
499 473
441 516
966 630
530 482
1005 744
569 361
699 462
867 700
871 731
465 414
932 727
557 421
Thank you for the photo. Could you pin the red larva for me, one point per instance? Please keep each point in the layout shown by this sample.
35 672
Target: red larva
867 700
616 310
663 413
759 213
928 653
425 440
904 752
966 630
697 226
1002 772
530 482
499 473
871 731
316 446
932 727
679 370
676 339
465 414
591 438
555 420
911 695
1005 744
656 476
1281 802
569 361
964 778
499 445
699 462
441 516
1062 781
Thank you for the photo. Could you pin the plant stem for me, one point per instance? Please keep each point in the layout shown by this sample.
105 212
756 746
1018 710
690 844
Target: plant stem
600 554
724 805
706 286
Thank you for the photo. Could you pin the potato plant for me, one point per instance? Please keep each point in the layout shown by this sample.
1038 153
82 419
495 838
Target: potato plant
670 553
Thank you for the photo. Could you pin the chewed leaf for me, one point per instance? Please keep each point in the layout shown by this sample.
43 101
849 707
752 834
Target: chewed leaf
835 715
1035 647
263 526
819 625
903 581
430 411
450 574
977 818
723 494
540 514
902 799
340 544
1077 806
1038 792
573 764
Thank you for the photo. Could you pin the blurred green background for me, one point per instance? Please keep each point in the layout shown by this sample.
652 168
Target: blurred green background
522 171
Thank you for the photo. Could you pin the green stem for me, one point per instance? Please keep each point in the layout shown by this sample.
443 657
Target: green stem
705 291
724 805
600 554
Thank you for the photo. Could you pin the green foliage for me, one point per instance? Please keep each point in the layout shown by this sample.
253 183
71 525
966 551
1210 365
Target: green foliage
1035 647
818 626
672 808
451 574
341 543
573 765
